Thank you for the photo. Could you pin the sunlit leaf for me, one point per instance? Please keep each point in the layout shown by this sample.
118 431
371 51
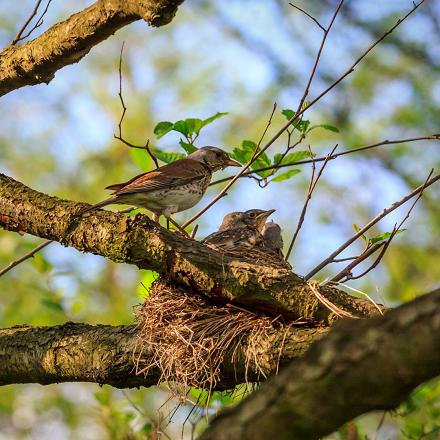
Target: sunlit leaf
187 147
286 175
162 128
325 127
168 157
357 229
141 158
52 304
102 397
291 157
193 125
288 113
181 127
384 236
212 118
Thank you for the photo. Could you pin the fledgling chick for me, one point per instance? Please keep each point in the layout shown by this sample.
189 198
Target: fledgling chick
171 188
273 239
239 229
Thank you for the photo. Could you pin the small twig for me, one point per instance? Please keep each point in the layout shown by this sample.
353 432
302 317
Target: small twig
268 124
379 425
119 136
310 190
434 137
194 232
371 223
25 257
346 272
39 22
308 15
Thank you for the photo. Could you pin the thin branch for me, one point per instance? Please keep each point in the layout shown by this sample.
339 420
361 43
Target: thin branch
310 190
268 124
371 223
19 36
433 137
308 15
119 136
25 257
363 256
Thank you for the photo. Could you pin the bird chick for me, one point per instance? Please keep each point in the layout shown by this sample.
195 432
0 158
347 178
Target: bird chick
273 239
239 229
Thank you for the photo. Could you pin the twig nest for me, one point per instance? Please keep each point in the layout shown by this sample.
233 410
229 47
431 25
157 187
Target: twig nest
187 338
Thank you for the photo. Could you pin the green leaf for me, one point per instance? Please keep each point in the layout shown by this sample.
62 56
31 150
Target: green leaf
102 397
52 303
141 158
168 157
187 147
286 175
384 236
211 119
288 113
147 428
357 229
41 264
324 126
181 127
162 128
244 153
303 126
291 157
193 125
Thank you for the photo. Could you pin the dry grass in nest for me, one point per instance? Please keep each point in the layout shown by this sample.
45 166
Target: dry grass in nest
187 339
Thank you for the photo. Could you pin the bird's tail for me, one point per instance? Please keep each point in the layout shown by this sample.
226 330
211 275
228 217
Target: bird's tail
105 202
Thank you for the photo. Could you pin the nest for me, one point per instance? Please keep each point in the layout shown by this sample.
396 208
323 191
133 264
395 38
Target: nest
188 339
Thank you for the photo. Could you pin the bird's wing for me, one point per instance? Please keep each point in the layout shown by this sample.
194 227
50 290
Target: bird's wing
180 172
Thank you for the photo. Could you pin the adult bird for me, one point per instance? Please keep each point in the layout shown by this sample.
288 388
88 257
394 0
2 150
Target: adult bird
171 188
239 229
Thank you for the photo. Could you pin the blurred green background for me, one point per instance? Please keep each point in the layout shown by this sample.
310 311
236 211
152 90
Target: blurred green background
238 57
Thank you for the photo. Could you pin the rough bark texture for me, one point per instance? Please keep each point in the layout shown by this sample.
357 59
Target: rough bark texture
104 354
137 240
360 366
67 42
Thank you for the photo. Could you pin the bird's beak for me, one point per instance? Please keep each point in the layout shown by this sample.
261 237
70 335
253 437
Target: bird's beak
263 216
232 163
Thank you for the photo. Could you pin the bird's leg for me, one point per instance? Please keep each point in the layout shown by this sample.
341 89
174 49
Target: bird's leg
168 224
180 229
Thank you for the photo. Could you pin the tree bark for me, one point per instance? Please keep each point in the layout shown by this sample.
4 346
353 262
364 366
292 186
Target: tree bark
139 241
360 366
75 352
67 42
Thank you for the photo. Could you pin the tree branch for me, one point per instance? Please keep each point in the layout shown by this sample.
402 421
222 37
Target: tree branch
139 241
76 352
362 365
67 42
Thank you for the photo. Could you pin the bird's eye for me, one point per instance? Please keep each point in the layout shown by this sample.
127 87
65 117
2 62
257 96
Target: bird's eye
252 215
218 154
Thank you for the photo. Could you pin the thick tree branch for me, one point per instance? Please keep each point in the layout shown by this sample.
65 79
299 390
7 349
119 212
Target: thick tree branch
76 352
67 42
360 366
139 241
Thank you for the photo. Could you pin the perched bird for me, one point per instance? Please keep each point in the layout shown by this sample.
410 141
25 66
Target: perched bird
273 239
172 188
239 229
